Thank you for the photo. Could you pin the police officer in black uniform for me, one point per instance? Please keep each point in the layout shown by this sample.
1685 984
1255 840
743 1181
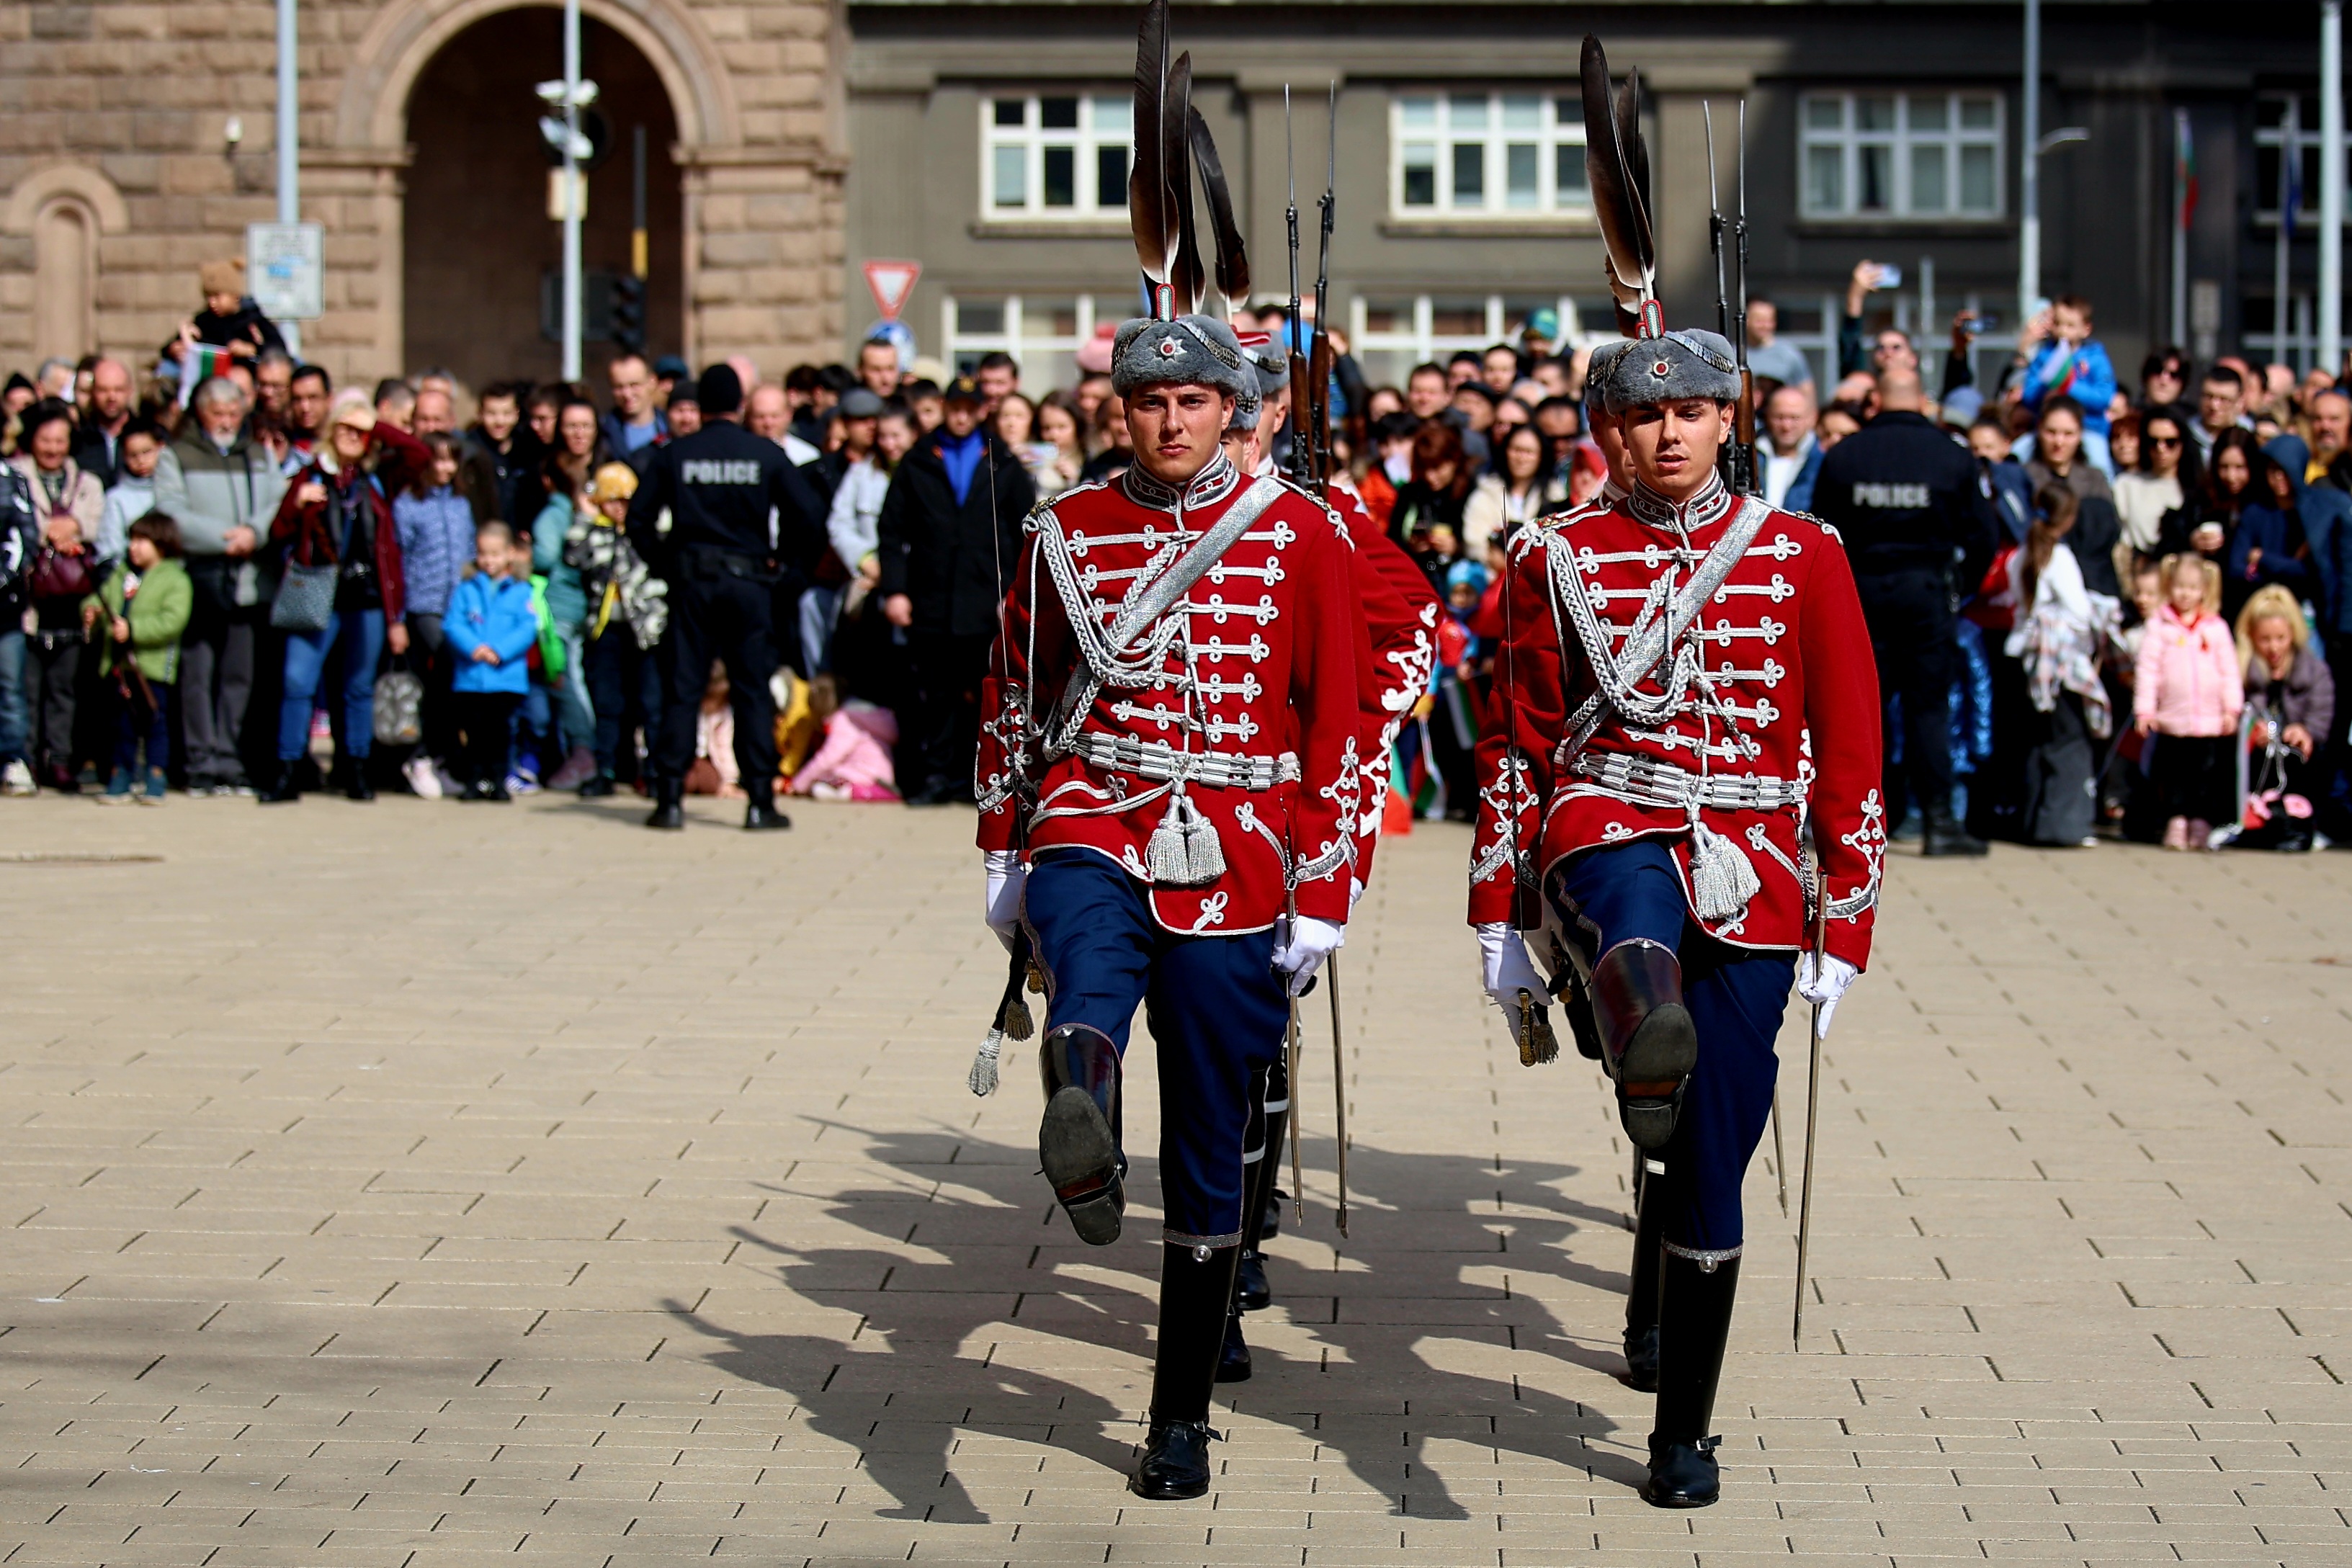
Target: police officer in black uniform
1916 522
720 487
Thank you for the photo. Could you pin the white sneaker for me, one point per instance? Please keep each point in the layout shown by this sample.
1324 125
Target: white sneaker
16 778
422 777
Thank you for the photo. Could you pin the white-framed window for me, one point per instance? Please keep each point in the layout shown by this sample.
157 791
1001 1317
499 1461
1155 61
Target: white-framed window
1486 154
1043 332
1902 154
1055 154
1391 333
2289 119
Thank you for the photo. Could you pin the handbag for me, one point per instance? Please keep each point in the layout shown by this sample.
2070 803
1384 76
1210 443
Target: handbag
57 575
399 707
306 594
306 598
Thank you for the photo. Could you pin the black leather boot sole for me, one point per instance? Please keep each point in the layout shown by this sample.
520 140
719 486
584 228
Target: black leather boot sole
1662 1053
669 817
1081 1161
1175 1467
1234 1361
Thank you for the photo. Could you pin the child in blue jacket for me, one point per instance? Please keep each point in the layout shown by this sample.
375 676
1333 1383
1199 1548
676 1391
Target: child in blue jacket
490 629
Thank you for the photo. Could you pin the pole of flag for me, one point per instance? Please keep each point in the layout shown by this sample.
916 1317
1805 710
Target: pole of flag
2184 208
2331 186
2283 250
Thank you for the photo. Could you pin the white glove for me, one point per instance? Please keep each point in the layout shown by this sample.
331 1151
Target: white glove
1355 892
1822 979
1301 945
1508 970
1001 908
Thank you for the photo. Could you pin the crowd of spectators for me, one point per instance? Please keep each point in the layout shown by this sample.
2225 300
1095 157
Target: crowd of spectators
233 577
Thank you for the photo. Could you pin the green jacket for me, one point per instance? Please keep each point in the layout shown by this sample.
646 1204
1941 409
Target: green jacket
159 614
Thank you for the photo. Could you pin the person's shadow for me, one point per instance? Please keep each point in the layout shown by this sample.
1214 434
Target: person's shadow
942 1354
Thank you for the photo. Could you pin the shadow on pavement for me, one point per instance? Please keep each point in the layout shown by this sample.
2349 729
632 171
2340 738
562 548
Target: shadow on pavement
1001 1262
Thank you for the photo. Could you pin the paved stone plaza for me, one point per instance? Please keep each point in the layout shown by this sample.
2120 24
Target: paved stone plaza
423 1185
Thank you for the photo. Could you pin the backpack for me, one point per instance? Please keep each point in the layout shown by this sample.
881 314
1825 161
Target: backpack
547 655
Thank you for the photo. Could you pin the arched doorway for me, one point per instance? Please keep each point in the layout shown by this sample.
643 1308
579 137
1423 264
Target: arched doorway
479 246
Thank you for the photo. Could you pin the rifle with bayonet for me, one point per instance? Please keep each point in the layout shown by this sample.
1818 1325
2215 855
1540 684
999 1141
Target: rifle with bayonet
1318 424
1294 346
1738 461
1744 427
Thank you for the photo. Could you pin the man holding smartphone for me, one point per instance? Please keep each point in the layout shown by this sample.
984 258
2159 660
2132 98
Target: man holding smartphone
1890 349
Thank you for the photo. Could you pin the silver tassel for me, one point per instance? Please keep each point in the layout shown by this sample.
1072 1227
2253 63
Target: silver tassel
1722 880
1165 856
1184 850
981 1079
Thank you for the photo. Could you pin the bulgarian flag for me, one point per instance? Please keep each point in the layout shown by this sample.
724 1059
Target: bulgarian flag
2184 168
199 363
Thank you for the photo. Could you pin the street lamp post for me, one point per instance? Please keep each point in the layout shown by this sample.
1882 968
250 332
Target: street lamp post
2331 186
289 128
572 203
2029 195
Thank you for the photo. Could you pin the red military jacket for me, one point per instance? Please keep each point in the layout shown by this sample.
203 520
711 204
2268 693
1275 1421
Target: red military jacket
1245 688
1762 709
1399 613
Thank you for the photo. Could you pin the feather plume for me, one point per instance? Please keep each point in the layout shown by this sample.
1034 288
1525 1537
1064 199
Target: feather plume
1190 277
1233 262
1150 205
1617 168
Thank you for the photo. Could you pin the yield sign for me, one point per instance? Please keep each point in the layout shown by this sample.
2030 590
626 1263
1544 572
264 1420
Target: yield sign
891 282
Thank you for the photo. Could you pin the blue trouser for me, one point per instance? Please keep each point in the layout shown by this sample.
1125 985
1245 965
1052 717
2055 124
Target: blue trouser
1736 996
144 716
1216 1011
356 638
11 694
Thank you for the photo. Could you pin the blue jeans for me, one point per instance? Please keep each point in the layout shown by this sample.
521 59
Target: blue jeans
1216 1010
355 638
1736 996
11 694
574 710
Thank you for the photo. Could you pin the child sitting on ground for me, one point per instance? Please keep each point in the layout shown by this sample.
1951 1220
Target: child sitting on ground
489 629
145 606
853 762
2187 691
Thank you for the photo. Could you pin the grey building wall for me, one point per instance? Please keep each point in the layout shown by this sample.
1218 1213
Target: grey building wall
917 74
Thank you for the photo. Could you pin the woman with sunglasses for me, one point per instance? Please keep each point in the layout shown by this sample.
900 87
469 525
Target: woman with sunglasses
2164 477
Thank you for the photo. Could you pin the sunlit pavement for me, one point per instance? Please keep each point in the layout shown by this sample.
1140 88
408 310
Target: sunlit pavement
419 1183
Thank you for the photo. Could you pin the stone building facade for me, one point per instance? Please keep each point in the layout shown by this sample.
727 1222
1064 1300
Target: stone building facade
421 157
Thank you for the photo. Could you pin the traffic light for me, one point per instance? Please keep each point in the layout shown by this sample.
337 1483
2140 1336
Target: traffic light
629 313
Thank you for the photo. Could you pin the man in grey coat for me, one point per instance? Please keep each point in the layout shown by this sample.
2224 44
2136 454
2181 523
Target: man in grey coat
224 488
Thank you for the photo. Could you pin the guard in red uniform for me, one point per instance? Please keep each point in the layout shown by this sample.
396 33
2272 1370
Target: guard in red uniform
1686 697
1168 779
1395 614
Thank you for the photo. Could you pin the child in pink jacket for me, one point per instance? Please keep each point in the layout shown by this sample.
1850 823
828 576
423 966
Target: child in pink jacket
854 763
2187 690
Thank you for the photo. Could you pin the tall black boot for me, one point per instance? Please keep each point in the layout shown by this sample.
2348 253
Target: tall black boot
1642 1295
1695 1299
1942 834
1649 1044
1196 1289
280 787
1269 1122
1076 1143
